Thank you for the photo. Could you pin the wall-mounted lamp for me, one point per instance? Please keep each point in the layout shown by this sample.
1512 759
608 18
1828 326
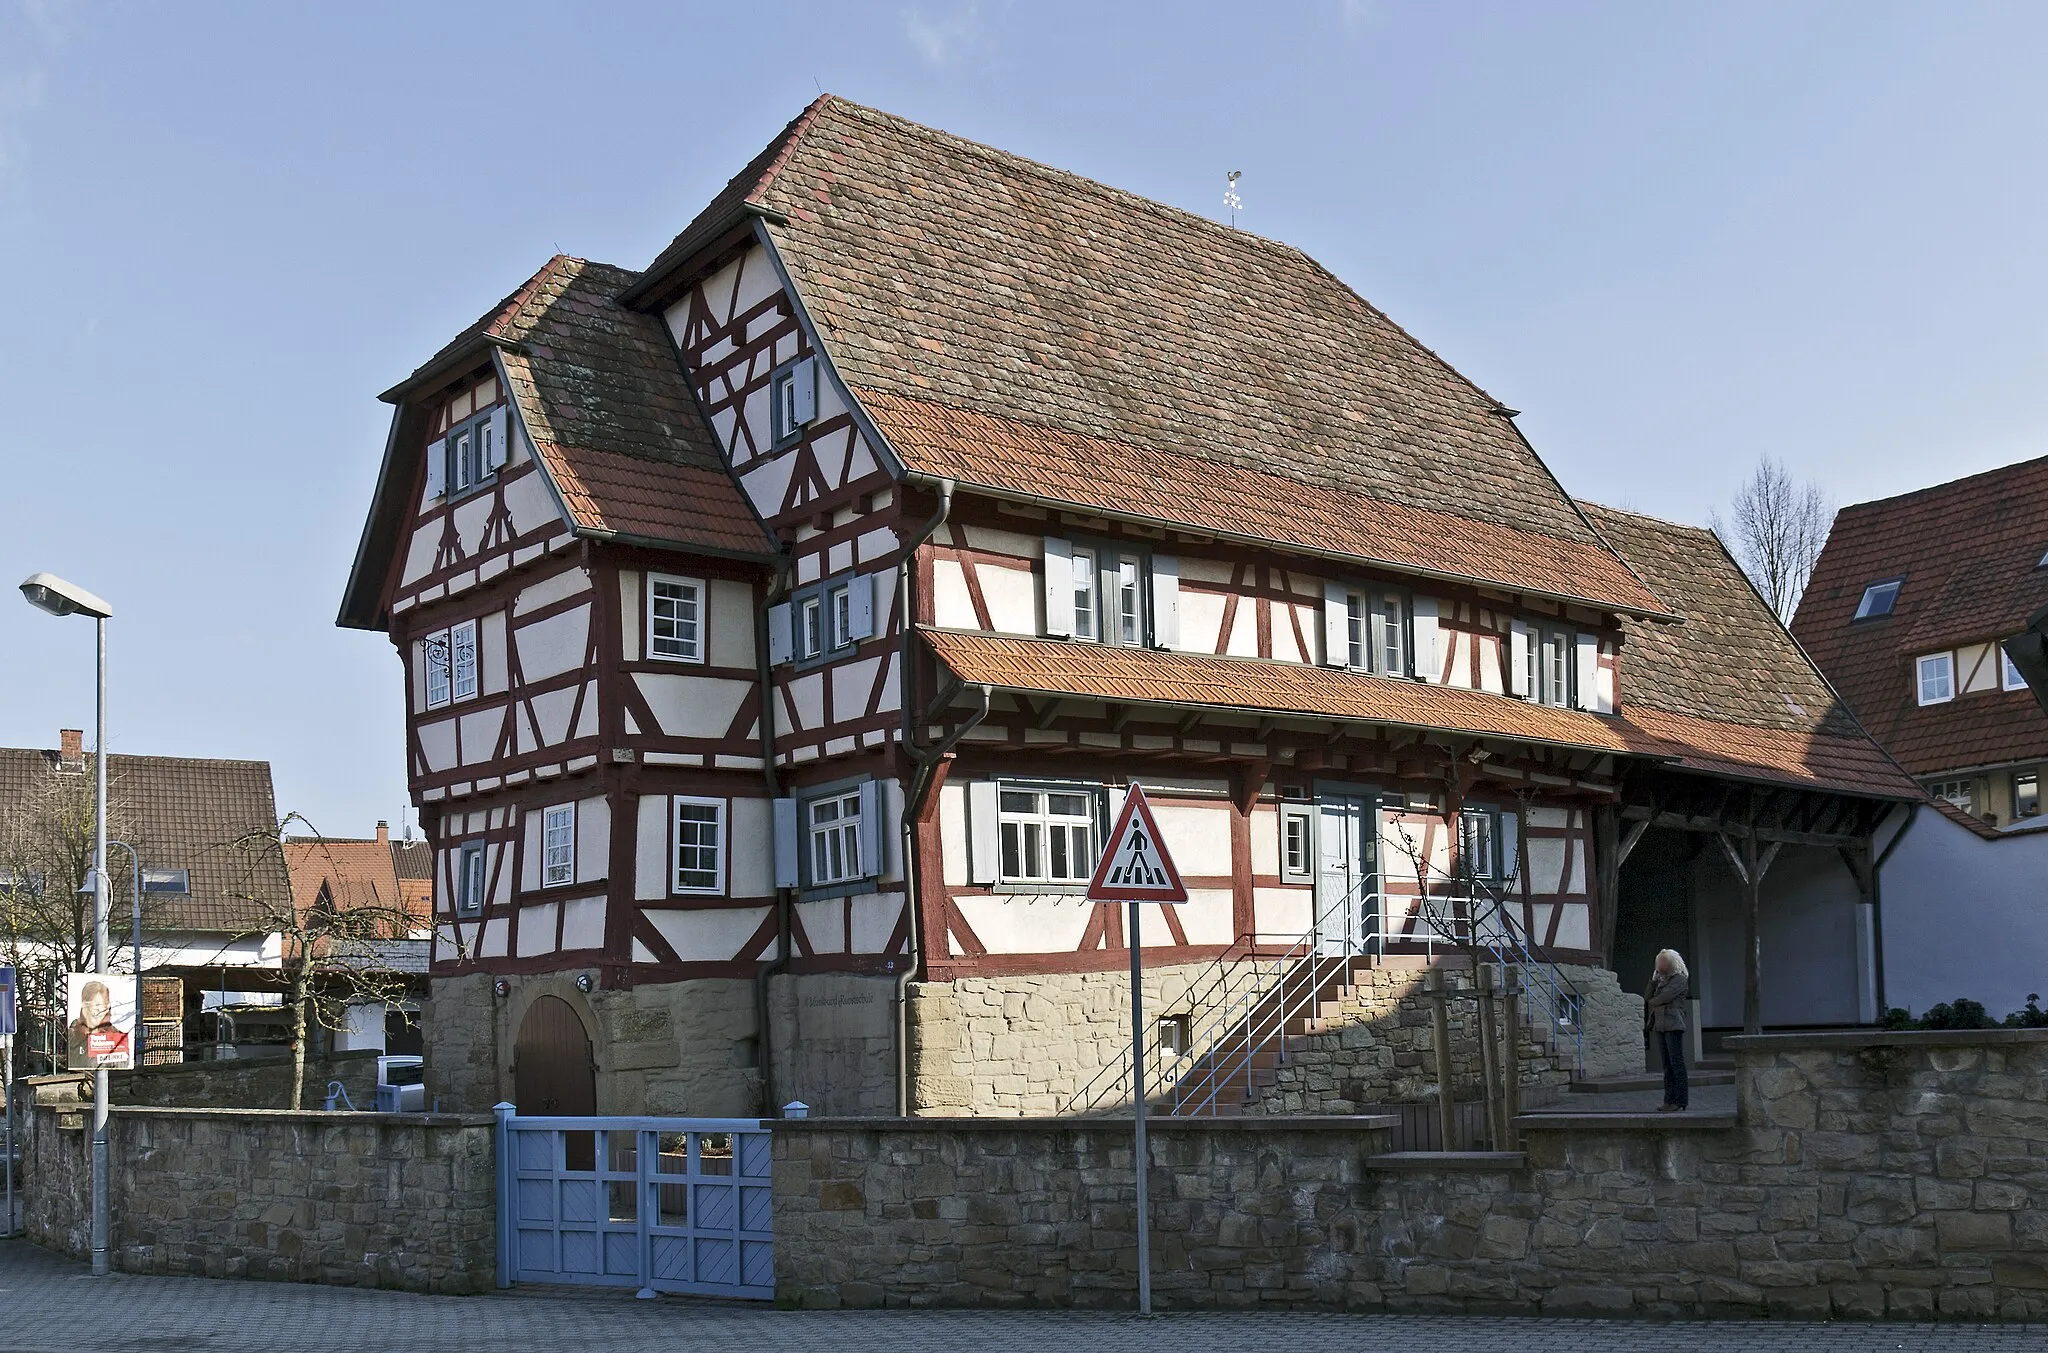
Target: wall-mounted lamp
585 983
502 988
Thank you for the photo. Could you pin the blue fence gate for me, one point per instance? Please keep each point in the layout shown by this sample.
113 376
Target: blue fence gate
658 1204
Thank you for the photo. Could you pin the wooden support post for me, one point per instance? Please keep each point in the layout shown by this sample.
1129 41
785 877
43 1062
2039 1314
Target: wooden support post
1490 1074
1752 941
1511 1053
1440 1029
1607 857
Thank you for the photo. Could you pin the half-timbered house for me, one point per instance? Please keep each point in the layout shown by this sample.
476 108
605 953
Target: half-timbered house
782 623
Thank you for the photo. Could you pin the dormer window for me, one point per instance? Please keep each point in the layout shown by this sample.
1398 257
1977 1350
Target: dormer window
793 399
1878 599
1376 633
471 454
1937 678
1107 593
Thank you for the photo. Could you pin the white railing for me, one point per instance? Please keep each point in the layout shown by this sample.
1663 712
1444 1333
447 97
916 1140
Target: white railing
1241 1006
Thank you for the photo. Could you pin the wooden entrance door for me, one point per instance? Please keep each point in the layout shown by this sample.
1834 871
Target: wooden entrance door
552 1071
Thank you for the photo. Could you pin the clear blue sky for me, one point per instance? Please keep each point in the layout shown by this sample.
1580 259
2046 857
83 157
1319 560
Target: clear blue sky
1677 237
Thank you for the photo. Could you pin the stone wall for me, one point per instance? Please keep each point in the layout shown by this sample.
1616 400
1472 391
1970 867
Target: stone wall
246 1083
356 1199
1865 1176
688 1049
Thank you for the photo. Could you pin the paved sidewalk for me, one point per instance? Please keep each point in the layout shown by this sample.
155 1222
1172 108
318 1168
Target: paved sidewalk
52 1305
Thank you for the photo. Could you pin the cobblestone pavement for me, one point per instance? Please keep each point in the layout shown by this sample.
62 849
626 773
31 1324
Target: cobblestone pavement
52 1305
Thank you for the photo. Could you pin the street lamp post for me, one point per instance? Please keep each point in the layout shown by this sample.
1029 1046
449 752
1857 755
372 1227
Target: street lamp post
48 592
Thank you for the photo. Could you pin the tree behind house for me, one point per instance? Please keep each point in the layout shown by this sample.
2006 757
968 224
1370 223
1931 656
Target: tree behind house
1777 529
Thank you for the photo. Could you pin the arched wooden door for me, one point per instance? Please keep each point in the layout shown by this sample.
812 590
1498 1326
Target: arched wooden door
552 1071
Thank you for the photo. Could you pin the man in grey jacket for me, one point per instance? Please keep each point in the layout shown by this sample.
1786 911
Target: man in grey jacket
1664 1009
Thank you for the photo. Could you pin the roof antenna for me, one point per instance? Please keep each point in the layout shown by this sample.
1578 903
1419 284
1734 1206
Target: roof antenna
821 88
1230 197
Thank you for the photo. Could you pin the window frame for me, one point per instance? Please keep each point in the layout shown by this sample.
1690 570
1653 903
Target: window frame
464 904
700 595
1566 645
1365 646
1863 612
548 864
2009 677
1102 615
437 652
825 599
1303 816
1968 784
456 694
1097 797
1487 817
721 814
847 829
466 465
783 428
1948 659
2033 777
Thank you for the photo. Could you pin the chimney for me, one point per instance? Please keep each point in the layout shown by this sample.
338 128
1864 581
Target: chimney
71 748
383 832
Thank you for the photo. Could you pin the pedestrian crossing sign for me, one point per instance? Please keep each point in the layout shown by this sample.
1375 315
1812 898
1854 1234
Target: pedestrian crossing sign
1136 867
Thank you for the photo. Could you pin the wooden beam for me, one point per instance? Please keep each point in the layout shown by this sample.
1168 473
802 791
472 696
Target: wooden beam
1628 842
1752 938
1717 826
1048 712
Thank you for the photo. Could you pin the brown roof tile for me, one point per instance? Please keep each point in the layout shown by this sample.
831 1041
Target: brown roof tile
952 274
355 873
1969 552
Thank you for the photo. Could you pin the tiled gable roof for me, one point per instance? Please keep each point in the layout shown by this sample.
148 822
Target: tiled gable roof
603 397
180 813
1728 690
354 873
1969 552
946 275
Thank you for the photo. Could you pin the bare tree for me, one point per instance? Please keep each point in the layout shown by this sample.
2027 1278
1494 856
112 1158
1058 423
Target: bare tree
1778 529
334 949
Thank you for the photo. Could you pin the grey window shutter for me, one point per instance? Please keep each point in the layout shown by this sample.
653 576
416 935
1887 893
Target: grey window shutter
1511 849
1521 651
785 843
781 647
984 835
1428 662
803 391
1059 588
437 467
1587 695
860 605
871 829
1165 601
1336 625
500 430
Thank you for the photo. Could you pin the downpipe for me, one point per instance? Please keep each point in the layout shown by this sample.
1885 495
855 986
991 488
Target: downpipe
764 1054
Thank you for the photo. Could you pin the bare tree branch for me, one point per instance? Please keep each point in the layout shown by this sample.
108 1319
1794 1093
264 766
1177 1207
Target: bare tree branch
1778 529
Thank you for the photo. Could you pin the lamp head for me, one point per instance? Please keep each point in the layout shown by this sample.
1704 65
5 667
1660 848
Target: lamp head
48 592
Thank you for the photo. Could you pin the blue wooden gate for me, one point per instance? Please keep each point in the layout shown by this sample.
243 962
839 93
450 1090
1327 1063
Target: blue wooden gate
658 1204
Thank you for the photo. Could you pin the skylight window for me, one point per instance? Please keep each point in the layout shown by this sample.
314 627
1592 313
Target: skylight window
1878 599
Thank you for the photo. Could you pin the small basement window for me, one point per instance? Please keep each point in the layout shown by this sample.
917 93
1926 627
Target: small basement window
1878 599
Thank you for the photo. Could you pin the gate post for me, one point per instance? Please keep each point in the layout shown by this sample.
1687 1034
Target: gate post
507 1211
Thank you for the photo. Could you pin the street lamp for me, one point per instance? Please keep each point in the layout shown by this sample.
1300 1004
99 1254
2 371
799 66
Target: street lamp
48 592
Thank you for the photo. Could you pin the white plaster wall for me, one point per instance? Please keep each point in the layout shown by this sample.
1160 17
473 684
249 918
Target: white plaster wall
712 935
490 643
731 628
555 645
1014 598
691 706
548 591
1963 916
583 923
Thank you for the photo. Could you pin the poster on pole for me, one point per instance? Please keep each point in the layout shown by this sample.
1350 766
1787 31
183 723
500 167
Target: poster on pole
7 1016
100 1014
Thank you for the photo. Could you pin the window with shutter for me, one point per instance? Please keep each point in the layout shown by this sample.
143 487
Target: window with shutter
781 644
434 653
1165 601
462 659
983 837
1337 625
793 399
1522 660
1058 579
1422 621
437 468
1586 677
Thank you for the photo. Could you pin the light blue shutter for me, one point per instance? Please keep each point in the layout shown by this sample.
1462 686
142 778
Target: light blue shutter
803 391
1336 625
500 429
437 467
984 832
785 843
1588 655
781 646
871 829
1165 601
1059 588
1428 662
860 606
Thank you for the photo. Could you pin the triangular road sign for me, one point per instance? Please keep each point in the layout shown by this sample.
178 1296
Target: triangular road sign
1136 867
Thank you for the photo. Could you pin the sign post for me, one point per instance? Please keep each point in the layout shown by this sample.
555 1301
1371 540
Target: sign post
7 1023
1136 869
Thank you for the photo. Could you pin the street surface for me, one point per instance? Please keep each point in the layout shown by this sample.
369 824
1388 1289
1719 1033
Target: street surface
51 1305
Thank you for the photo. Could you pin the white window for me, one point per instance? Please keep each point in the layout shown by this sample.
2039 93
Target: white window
558 846
1878 599
1048 835
2026 795
834 827
1297 863
675 618
1959 793
700 845
1554 668
469 879
840 600
2010 676
810 627
1937 678
434 652
1129 620
1084 594
1478 838
793 399
462 458
462 659
1376 632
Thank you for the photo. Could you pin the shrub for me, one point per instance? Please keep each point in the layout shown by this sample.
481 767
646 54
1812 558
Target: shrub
2033 1017
1962 1013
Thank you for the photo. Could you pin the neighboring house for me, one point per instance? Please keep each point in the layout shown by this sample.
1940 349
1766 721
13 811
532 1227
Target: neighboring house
333 874
204 901
781 626
1906 611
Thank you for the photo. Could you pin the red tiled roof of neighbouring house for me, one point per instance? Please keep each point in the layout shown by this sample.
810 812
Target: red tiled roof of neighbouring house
354 874
1969 556
995 315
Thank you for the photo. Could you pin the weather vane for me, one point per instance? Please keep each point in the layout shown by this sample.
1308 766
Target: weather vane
1230 197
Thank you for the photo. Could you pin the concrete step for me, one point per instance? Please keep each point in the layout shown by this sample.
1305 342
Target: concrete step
1621 1085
